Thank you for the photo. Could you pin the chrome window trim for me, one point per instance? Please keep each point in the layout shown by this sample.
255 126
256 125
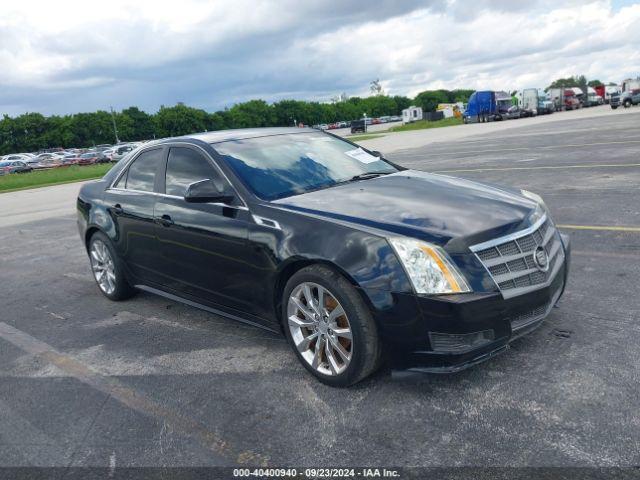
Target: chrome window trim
164 195
507 238
169 145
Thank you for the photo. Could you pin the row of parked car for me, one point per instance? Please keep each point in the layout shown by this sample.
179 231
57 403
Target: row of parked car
28 162
368 121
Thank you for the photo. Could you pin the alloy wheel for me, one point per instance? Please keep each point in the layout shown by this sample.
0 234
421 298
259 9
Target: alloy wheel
103 267
320 328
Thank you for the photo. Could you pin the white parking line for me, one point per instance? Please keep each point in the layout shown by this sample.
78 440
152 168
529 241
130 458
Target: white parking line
542 167
536 147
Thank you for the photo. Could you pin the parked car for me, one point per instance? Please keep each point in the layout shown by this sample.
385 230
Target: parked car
51 162
88 158
68 161
122 150
356 260
358 126
43 157
14 166
515 112
25 157
35 164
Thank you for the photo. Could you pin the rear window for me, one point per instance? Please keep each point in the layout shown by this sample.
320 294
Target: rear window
142 172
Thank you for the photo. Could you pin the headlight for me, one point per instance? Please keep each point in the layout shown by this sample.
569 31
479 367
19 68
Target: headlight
542 207
429 267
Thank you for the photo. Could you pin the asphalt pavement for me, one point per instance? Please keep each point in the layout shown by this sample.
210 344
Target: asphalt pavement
89 382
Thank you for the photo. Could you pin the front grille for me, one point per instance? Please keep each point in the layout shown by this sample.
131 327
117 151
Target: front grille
510 260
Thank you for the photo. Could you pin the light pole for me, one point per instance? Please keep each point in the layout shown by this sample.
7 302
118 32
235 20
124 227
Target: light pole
115 130
364 115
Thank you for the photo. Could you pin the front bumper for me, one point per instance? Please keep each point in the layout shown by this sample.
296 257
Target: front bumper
454 332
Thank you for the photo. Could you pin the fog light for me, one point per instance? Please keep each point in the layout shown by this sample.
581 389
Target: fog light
461 342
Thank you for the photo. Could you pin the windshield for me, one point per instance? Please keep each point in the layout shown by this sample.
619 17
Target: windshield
283 165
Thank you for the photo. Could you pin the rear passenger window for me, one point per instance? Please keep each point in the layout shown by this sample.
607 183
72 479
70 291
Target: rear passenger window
142 172
186 166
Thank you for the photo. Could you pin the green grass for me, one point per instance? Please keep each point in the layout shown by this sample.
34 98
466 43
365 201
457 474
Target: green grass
423 124
357 138
54 176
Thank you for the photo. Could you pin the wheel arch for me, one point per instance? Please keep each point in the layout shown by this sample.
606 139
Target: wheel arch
90 232
294 266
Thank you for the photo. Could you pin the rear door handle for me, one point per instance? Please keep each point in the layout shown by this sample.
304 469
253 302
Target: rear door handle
165 221
117 209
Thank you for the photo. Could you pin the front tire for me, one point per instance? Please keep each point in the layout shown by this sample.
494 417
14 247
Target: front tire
329 327
108 269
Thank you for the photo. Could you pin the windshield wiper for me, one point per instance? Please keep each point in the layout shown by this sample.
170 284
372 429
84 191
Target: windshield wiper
366 175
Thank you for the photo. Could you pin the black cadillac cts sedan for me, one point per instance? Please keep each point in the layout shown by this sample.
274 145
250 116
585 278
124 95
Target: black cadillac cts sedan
357 260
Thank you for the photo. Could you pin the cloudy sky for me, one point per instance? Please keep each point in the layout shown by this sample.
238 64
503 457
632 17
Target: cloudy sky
68 56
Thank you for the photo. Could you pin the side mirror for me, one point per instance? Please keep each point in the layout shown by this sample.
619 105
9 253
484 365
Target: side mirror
206 191
376 153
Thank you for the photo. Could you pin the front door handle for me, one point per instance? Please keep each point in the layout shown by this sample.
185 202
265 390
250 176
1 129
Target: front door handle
165 221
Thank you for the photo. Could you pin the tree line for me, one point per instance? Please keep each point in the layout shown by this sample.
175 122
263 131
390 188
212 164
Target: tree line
31 132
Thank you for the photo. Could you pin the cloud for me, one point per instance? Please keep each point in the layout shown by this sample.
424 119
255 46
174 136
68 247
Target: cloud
69 56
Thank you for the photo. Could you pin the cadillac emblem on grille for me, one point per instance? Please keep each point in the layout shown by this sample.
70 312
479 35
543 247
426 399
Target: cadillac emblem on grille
541 259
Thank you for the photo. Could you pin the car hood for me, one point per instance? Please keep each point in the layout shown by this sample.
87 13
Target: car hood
432 207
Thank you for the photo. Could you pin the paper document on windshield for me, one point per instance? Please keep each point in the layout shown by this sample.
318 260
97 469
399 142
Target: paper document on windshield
362 156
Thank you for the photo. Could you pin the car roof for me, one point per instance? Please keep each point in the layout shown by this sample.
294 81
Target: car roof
243 133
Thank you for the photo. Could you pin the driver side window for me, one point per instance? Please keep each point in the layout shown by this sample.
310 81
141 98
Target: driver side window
186 166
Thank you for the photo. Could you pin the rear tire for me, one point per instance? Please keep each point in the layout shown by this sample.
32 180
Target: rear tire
627 103
108 269
321 343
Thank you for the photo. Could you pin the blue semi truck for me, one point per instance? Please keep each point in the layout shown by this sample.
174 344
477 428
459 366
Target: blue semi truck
489 105
483 106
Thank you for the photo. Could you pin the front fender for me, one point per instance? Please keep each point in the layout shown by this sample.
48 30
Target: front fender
365 259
